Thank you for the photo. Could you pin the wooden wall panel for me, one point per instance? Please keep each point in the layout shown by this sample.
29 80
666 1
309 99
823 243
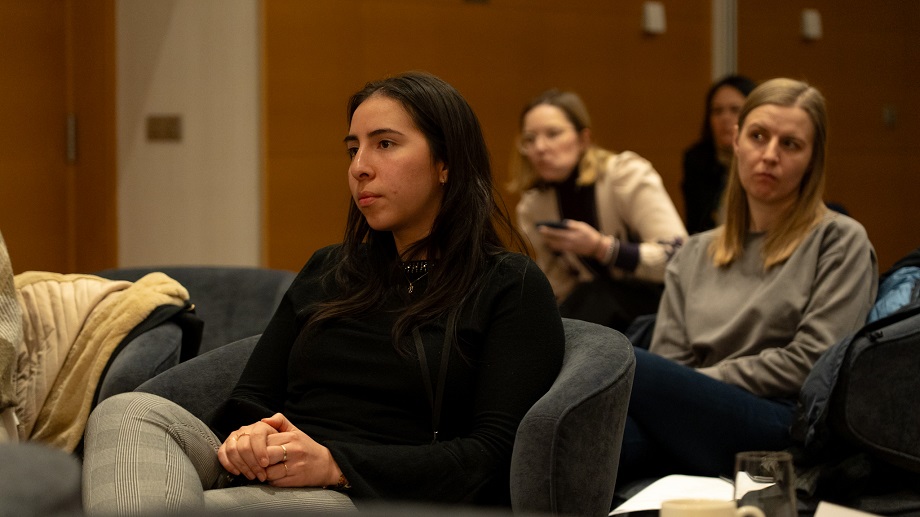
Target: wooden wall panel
866 64
58 58
94 174
644 93
33 104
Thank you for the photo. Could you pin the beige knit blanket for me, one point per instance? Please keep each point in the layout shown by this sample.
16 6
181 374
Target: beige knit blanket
71 325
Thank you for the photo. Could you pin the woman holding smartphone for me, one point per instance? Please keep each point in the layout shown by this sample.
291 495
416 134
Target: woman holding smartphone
601 223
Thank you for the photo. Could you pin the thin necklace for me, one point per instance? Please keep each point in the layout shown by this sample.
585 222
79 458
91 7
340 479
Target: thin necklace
415 267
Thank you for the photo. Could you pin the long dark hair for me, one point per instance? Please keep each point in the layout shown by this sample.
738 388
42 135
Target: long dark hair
738 82
471 225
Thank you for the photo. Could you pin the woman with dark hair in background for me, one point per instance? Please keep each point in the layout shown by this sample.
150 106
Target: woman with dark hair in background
706 163
399 363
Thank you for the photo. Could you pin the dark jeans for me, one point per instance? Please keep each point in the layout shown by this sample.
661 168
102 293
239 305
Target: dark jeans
683 422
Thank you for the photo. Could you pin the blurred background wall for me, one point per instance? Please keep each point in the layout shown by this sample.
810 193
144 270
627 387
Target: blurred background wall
195 200
258 89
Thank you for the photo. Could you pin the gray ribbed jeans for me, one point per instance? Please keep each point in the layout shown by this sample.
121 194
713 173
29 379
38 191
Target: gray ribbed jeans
145 454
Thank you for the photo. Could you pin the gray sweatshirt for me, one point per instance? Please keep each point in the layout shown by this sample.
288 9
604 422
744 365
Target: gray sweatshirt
763 330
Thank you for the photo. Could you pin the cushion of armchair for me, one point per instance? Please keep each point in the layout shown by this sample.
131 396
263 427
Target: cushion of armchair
567 447
146 356
204 382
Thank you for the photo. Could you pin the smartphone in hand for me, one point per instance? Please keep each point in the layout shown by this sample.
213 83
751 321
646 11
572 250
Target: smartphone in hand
562 225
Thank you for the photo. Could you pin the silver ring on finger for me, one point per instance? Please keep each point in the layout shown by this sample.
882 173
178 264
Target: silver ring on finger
284 449
285 468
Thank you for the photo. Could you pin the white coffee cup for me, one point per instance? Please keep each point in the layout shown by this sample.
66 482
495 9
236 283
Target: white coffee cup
706 508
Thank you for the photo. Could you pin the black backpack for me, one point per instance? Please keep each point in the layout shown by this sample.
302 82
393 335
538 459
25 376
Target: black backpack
858 426
864 393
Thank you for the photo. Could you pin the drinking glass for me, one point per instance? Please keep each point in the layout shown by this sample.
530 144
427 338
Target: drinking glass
766 479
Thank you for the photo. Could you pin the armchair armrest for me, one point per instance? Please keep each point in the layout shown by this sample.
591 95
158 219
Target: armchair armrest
567 447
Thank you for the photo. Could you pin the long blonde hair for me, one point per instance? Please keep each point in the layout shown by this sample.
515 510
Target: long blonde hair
783 239
523 175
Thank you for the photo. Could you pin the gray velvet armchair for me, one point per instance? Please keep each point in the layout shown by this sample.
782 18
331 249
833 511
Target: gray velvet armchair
567 447
232 302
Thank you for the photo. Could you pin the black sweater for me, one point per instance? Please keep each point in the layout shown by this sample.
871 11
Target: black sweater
703 183
348 388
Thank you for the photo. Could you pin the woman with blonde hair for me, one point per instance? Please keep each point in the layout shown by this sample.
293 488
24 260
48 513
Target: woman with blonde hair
750 306
601 223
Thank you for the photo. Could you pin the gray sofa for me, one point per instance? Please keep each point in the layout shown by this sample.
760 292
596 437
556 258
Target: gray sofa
565 455
232 302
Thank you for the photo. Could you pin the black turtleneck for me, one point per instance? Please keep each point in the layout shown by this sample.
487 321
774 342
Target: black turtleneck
576 201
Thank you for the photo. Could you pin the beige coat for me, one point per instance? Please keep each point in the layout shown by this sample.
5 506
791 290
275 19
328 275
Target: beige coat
763 330
632 203
10 337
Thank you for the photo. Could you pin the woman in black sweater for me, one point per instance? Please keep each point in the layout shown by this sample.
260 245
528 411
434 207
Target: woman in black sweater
398 364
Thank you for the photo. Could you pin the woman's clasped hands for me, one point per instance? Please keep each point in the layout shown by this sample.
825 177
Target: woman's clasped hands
273 450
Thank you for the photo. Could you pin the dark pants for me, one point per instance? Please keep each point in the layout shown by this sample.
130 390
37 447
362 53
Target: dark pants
683 422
